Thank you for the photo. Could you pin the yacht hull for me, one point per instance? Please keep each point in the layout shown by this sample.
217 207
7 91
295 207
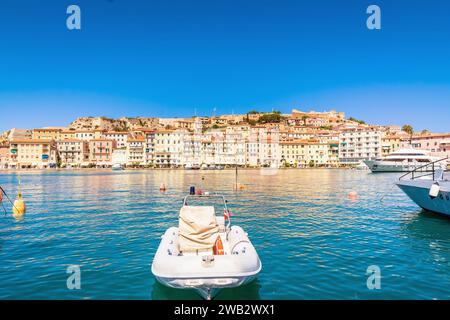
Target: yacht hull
380 166
418 191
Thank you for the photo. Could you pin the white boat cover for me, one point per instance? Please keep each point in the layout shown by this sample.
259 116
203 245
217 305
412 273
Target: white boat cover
198 228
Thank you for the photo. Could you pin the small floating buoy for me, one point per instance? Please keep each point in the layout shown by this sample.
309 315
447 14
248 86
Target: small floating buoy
353 195
199 192
1 196
19 207
162 187
240 186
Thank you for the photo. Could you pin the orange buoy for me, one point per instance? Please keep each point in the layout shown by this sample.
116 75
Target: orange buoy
218 247
353 195
199 192
1 196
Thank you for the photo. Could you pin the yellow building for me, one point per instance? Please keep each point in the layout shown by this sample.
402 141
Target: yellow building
33 153
67 135
293 153
47 134
308 153
390 143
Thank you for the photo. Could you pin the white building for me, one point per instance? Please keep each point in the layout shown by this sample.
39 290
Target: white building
169 145
119 156
121 138
359 144
136 151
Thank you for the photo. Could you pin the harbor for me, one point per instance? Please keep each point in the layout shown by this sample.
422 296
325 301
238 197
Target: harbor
313 239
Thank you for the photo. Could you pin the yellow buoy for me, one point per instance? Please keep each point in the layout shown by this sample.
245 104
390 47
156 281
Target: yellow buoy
19 207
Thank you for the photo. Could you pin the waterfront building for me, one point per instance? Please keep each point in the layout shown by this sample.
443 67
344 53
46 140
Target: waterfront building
149 146
318 154
73 153
293 153
169 147
362 143
33 153
119 156
100 152
437 144
262 146
136 151
4 156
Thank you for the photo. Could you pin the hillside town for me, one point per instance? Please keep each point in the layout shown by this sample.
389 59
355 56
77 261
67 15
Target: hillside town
256 139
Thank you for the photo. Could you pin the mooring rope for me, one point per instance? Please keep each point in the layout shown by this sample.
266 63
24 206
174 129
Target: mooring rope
9 199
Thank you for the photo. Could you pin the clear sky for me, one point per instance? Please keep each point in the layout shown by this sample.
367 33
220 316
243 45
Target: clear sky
176 58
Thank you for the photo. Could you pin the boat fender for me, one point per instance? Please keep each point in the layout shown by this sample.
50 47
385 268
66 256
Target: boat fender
218 247
434 190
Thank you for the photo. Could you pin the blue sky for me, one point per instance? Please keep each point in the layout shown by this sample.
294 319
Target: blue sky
173 58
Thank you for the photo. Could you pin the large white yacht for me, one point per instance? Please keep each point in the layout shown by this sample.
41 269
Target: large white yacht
404 160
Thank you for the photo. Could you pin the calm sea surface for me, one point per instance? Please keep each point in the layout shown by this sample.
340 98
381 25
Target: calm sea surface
314 242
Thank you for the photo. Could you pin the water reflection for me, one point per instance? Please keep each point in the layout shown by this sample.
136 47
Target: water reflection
249 291
312 240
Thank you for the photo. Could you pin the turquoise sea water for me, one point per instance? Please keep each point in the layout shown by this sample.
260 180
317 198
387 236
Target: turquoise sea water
313 241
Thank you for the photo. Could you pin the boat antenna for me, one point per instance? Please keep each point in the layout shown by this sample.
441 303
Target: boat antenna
236 177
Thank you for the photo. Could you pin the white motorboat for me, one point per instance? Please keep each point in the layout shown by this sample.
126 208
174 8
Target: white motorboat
430 191
205 252
117 167
404 160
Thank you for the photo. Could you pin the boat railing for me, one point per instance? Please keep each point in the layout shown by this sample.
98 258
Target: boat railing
427 167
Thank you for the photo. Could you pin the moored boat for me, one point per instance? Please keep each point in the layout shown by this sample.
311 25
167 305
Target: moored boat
404 160
205 252
430 191
117 167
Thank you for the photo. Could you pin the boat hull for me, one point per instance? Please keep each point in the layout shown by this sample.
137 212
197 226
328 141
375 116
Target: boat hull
418 191
380 166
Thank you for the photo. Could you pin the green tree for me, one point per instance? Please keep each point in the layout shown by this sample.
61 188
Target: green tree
408 129
356 120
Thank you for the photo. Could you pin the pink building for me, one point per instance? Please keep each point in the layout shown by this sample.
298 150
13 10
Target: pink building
437 144
100 151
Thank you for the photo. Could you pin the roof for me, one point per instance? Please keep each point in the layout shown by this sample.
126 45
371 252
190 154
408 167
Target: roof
48 129
70 140
23 141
